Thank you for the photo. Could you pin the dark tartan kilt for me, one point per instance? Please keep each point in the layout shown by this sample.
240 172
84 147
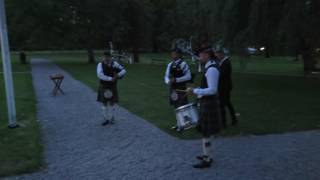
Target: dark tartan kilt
113 89
210 118
182 98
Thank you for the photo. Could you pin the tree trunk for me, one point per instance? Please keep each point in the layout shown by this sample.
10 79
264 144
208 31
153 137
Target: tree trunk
267 54
135 52
296 55
120 53
267 51
307 57
23 57
91 58
155 47
308 62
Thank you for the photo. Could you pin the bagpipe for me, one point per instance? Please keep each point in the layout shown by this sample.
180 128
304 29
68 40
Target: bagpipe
186 47
122 58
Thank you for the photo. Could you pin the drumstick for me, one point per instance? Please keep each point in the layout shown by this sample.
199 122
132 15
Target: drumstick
184 95
181 90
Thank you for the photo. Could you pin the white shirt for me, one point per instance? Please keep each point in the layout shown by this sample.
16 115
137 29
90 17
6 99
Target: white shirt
186 71
212 76
104 77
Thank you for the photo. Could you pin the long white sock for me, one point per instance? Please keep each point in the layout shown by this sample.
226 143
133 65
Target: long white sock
104 111
206 147
178 123
113 111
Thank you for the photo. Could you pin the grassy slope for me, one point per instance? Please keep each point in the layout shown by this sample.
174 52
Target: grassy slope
20 149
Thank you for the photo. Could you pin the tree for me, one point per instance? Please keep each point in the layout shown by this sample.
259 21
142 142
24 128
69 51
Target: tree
284 27
299 29
162 22
134 20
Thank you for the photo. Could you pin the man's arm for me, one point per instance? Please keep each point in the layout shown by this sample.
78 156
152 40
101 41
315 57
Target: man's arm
212 76
187 74
121 68
167 74
101 75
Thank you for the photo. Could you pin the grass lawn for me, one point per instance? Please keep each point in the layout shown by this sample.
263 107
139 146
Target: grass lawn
20 149
267 103
255 64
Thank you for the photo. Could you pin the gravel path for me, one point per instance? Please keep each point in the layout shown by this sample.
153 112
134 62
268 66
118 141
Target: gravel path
77 147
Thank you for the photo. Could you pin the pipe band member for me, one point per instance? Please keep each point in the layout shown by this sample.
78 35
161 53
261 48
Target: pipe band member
209 121
177 76
108 72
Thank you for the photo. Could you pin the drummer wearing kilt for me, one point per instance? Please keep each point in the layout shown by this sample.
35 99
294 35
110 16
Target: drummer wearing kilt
177 76
209 121
108 72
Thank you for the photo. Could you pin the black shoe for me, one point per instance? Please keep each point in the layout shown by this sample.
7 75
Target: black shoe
179 130
105 123
112 121
202 158
203 164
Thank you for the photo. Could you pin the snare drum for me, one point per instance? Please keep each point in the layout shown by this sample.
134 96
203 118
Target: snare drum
187 116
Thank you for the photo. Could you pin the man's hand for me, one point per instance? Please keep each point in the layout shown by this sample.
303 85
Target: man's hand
115 77
190 91
172 80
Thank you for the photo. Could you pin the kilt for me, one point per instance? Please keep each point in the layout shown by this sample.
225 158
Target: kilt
102 89
210 118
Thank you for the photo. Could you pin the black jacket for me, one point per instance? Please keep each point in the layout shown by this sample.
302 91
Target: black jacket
225 79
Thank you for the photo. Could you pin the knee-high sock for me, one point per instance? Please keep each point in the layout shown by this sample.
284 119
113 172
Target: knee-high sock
113 111
178 123
206 147
105 111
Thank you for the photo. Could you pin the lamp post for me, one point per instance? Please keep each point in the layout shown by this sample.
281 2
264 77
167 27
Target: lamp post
7 68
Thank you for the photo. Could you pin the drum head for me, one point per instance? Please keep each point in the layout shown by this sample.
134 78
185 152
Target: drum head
174 96
108 94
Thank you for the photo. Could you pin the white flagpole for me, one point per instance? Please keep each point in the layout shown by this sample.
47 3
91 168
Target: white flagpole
7 68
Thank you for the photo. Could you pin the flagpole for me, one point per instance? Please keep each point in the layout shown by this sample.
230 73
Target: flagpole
12 118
